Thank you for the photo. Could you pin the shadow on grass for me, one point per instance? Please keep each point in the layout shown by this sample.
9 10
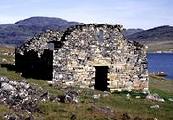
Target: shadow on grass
9 67
34 73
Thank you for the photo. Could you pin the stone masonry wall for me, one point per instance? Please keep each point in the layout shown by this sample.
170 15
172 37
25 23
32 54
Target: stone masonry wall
87 46
34 59
39 43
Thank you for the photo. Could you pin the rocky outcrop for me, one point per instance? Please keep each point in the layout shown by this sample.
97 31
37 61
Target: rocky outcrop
24 98
20 95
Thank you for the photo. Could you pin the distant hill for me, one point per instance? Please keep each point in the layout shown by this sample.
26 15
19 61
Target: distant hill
25 29
157 39
45 21
161 33
128 32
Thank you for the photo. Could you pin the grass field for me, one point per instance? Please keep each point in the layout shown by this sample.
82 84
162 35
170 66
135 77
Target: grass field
117 102
160 46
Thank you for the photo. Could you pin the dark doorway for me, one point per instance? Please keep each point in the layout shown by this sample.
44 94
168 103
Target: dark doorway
101 78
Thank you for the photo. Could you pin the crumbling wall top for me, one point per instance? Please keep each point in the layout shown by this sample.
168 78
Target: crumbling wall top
39 42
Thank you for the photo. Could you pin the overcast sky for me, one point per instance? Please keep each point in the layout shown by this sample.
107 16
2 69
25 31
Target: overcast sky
130 13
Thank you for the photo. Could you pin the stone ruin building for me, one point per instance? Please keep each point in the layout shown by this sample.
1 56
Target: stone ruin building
88 56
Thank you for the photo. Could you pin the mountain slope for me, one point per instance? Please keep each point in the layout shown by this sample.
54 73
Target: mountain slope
44 21
157 39
25 29
128 32
162 33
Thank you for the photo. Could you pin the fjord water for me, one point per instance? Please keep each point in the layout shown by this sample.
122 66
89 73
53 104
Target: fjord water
161 62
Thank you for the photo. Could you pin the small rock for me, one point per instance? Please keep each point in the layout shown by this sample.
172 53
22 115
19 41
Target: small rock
155 97
170 99
50 83
3 79
70 96
105 94
4 60
96 96
103 110
125 116
151 119
128 96
138 97
7 87
155 107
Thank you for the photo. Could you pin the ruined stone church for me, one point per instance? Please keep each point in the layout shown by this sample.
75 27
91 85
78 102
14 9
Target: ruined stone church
89 56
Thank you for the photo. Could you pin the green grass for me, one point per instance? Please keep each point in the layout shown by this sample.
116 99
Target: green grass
160 46
139 107
117 102
82 111
10 74
3 50
42 83
3 109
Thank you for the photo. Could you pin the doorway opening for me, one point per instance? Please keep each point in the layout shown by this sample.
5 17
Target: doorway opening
101 78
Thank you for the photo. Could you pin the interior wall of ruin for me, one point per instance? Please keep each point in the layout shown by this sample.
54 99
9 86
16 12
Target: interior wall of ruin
34 58
33 66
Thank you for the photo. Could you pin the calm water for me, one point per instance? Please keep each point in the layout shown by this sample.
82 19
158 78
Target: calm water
158 62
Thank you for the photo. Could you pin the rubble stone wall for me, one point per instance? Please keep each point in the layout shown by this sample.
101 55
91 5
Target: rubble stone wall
39 43
71 57
87 46
34 59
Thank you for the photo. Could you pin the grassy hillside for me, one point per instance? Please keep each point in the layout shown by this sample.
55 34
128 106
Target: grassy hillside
160 46
116 104
157 39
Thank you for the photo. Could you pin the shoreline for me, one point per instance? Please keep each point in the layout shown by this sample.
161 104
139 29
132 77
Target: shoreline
160 52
